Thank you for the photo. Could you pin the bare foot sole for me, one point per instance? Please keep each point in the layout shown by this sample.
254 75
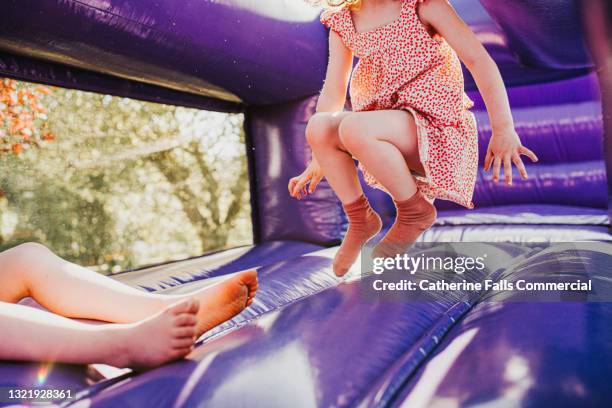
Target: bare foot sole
225 300
161 338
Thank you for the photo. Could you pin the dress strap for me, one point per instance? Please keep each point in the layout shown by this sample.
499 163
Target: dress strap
411 3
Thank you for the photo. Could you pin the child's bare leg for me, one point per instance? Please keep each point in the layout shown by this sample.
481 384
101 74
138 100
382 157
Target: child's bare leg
68 289
340 171
337 164
385 142
73 291
34 335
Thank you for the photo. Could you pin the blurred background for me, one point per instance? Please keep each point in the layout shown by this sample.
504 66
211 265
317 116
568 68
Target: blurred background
114 183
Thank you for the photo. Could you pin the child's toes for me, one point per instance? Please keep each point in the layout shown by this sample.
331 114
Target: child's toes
181 343
183 306
180 352
185 319
249 277
194 306
253 287
252 283
184 332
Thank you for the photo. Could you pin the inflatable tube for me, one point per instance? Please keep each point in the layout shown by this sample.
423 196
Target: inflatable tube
233 50
543 33
236 51
547 354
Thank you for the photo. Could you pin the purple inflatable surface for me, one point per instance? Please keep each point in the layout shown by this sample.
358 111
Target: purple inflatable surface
309 340
233 50
236 50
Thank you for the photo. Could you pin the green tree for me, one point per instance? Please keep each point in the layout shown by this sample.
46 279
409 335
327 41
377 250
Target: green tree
128 182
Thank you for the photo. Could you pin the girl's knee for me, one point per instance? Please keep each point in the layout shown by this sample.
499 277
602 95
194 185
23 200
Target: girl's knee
16 266
27 251
320 130
352 133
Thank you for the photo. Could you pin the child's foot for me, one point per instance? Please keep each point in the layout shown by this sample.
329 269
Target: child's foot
163 337
221 302
364 223
414 216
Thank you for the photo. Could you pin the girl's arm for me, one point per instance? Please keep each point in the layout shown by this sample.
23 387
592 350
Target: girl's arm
505 146
332 99
333 94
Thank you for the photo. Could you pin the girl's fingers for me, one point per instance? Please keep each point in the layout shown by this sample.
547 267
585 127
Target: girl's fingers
516 159
508 170
496 168
488 159
299 186
314 183
294 189
528 153
291 185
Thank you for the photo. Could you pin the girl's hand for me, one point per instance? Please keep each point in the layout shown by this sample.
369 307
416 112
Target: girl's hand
312 175
505 148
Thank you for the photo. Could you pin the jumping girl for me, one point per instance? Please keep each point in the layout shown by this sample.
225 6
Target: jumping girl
146 329
410 129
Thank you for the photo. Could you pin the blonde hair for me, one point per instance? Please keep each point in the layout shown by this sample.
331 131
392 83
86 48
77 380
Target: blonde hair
337 4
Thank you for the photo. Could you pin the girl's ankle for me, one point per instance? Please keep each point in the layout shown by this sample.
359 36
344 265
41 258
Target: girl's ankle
117 352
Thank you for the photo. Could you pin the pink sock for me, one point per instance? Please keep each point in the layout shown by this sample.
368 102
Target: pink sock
414 216
364 223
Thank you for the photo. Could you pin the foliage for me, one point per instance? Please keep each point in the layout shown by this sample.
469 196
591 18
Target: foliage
22 116
127 182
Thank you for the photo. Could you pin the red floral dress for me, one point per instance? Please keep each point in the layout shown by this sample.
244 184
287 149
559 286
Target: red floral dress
401 66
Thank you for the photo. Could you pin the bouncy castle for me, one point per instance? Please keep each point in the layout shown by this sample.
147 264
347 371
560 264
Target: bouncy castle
310 339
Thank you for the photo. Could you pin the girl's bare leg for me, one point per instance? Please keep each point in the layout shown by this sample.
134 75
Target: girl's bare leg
34 335
337 164
385 142
73 291
340 171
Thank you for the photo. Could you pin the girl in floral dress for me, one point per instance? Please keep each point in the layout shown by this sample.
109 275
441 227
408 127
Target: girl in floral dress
411 128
